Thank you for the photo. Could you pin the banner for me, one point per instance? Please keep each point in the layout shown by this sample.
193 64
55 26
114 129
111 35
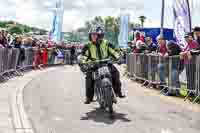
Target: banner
181 21
124 30
56 31
155 32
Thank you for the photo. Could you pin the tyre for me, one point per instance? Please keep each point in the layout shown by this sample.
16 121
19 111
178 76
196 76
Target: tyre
111 112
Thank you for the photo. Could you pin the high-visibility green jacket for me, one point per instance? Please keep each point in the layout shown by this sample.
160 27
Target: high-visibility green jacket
92 52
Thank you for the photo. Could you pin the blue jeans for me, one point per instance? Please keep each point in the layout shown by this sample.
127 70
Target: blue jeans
175 77
161 73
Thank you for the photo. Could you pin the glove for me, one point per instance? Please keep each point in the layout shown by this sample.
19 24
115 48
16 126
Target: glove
84 68
120 61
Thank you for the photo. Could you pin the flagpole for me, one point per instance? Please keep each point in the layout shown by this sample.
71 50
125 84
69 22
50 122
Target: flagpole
162 19
189 13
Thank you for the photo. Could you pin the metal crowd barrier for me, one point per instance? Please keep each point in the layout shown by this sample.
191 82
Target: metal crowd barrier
173 82
13 62
153 62
153 69
8 62
27 63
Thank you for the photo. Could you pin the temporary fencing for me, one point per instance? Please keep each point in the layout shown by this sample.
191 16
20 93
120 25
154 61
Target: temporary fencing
14 61
164 72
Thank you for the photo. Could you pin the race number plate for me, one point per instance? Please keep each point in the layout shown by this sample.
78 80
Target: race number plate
103 70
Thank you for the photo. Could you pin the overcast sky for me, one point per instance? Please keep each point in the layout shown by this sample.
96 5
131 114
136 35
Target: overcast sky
39 12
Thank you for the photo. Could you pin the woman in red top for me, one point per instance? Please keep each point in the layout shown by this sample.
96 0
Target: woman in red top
44 55
37 56
163 52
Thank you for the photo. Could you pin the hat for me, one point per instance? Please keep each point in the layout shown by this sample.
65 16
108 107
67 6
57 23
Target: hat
196 29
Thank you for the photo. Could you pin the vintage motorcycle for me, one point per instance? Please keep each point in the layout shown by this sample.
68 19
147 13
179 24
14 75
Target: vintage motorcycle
103 87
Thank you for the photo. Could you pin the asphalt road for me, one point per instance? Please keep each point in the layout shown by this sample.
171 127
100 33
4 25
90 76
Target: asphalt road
54 103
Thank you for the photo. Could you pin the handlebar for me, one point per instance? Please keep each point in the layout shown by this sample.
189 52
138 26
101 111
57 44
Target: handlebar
91 66
103 61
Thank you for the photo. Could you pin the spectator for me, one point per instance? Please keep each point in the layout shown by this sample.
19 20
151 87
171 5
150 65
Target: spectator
9 39
162 48
197 39
18 42
188 61
37 58
142 36
34 43
18 45
191 45
195 50
2 40
26 43
197 34
44 55
163 52
151 47
5 33
174 50
73 51
130 44
140 47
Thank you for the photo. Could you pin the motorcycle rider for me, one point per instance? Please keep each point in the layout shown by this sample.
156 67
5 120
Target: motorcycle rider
73 52
98 48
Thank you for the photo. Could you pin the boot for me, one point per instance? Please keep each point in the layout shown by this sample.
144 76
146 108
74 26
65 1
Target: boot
120 95
88 101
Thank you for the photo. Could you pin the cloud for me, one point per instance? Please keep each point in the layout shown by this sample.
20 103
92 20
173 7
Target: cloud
39 12
5 12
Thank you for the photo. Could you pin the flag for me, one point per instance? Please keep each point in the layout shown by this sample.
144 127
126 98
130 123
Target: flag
53 27
124 30
55 33
181 21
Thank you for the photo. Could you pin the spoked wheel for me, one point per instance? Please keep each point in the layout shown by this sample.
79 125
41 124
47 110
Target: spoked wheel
102 106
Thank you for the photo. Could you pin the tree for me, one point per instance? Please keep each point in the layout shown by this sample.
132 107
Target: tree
111 26
88 25
16 30
10 22
98 21
112 29
133 25
42 32
3 24
82 29
142 19
26 29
